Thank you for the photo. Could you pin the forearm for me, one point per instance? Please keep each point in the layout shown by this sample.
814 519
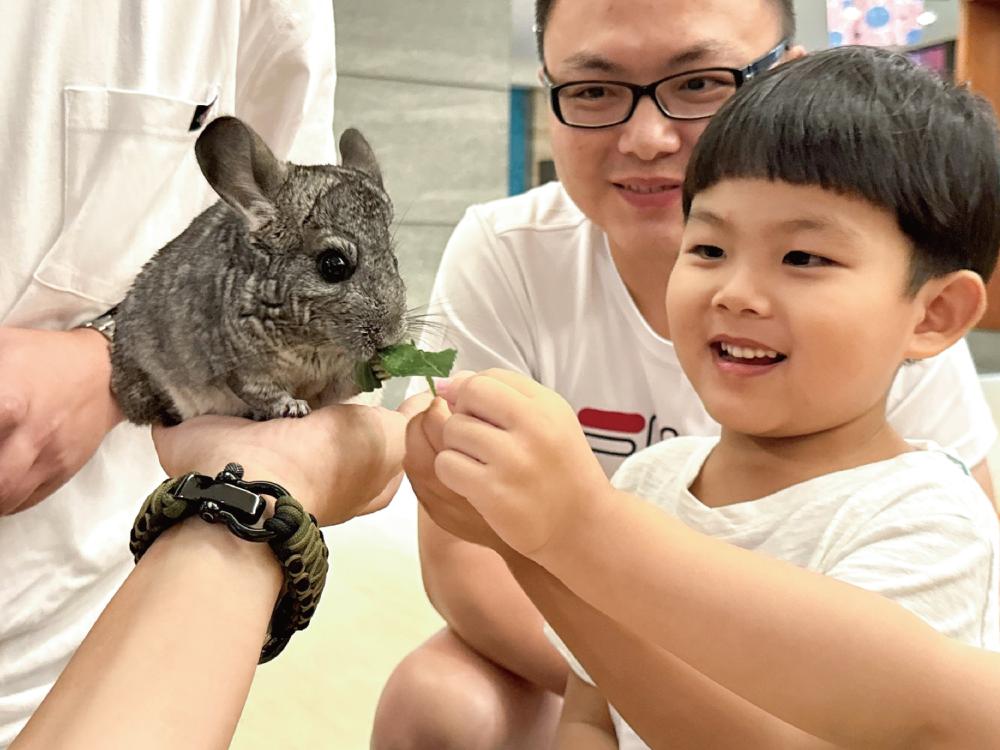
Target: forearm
170 661
472 589
666 701
735 615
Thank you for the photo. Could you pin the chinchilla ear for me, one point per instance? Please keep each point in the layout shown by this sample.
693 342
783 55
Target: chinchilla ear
241 168
356 153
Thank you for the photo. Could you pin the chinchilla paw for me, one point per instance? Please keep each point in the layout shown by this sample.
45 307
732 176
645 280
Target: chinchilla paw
294 407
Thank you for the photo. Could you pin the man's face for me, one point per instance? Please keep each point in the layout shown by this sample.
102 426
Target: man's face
789 306
627 178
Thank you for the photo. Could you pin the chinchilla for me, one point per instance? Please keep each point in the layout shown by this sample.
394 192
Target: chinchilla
271 296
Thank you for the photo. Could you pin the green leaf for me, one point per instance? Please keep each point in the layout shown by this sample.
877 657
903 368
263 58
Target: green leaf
365 377
406 359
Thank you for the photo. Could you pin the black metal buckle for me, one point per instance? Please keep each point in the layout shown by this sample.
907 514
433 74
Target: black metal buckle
229 499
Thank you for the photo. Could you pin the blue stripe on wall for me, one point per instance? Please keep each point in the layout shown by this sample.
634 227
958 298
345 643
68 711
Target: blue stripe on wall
519 176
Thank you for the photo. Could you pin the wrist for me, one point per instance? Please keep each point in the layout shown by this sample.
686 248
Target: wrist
98 354
575 534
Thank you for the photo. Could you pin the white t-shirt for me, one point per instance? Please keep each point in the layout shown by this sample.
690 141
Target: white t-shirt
101 103
528 284
915 529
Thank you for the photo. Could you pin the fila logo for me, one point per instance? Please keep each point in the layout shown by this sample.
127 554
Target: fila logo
618 433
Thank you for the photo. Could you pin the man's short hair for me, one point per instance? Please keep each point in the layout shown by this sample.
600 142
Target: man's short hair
873 124
543 10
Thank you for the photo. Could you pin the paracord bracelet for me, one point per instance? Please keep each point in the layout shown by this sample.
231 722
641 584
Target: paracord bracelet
291 532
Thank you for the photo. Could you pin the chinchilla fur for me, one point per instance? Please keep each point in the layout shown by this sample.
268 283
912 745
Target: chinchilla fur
271 296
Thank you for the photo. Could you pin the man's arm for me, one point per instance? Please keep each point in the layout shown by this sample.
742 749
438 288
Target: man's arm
585 723
472 589
52 417
484 314
981 473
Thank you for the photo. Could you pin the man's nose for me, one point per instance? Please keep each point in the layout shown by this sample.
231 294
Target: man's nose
649 134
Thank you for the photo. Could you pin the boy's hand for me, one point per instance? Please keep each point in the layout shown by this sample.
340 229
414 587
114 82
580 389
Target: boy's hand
452 512
516 450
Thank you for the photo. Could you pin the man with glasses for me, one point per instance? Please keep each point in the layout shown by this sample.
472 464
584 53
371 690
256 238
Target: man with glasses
566 284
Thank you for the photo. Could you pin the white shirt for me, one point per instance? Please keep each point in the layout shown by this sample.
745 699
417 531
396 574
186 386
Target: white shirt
916 529
528 284
99 102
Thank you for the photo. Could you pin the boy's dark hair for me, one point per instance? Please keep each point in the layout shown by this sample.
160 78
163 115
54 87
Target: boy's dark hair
543 10
873 124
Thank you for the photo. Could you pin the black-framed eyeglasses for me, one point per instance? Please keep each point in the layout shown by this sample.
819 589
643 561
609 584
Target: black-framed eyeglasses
691 95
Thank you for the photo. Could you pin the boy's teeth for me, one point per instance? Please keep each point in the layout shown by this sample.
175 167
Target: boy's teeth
744 352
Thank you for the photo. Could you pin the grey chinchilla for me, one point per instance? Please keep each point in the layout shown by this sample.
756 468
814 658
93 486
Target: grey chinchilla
271 296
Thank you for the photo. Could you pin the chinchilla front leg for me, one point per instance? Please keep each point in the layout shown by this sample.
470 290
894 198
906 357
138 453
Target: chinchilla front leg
266 399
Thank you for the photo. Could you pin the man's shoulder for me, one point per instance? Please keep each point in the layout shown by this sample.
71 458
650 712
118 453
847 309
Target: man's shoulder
547 208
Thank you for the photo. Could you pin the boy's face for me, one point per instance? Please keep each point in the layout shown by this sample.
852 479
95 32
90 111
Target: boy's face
788 306
627 178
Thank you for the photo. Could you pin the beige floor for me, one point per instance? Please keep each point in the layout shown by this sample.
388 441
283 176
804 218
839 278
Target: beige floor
322 691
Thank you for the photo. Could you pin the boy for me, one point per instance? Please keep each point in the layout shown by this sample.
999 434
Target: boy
825 245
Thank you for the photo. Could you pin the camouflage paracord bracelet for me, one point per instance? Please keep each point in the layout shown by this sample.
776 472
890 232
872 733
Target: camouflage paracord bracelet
291 533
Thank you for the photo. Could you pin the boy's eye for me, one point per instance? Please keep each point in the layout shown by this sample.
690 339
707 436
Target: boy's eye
802 258
709 252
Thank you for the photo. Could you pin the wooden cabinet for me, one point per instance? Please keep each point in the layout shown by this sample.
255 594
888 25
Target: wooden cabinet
978 62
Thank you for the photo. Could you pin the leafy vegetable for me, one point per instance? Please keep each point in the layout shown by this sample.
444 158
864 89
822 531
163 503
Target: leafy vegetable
403 360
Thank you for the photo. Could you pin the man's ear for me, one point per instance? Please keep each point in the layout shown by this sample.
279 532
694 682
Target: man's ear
951 305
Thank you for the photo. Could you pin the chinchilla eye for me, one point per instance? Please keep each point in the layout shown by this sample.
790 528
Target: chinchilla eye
333 266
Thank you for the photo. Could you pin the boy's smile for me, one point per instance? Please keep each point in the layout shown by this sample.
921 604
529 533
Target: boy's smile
788 306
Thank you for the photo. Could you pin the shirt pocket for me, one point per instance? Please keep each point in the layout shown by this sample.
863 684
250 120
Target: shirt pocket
130 184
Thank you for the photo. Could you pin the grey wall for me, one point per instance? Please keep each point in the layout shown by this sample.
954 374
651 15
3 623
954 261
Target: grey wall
427 83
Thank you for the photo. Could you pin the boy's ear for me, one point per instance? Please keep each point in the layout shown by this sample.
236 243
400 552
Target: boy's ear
951 305
795 52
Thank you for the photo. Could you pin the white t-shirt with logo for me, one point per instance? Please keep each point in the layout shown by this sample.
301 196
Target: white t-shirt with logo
916 529
528 284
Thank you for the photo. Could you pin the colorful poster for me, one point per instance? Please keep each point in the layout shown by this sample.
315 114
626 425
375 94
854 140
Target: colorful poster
879 23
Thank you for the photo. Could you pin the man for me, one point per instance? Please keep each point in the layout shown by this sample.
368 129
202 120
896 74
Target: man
102 104
566 284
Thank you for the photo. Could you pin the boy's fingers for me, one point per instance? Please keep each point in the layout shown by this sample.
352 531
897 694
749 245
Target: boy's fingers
458 472
490 400
515 380
474 438
434 421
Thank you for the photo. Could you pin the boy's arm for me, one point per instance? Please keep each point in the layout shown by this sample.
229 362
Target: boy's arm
632 672
666 701
514 450
585 723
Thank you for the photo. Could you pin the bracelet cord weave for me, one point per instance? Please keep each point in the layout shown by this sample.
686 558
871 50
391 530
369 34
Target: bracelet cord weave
296 541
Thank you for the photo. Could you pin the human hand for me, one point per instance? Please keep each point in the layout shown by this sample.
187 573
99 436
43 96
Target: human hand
515 449
338 462
424 441
56 407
